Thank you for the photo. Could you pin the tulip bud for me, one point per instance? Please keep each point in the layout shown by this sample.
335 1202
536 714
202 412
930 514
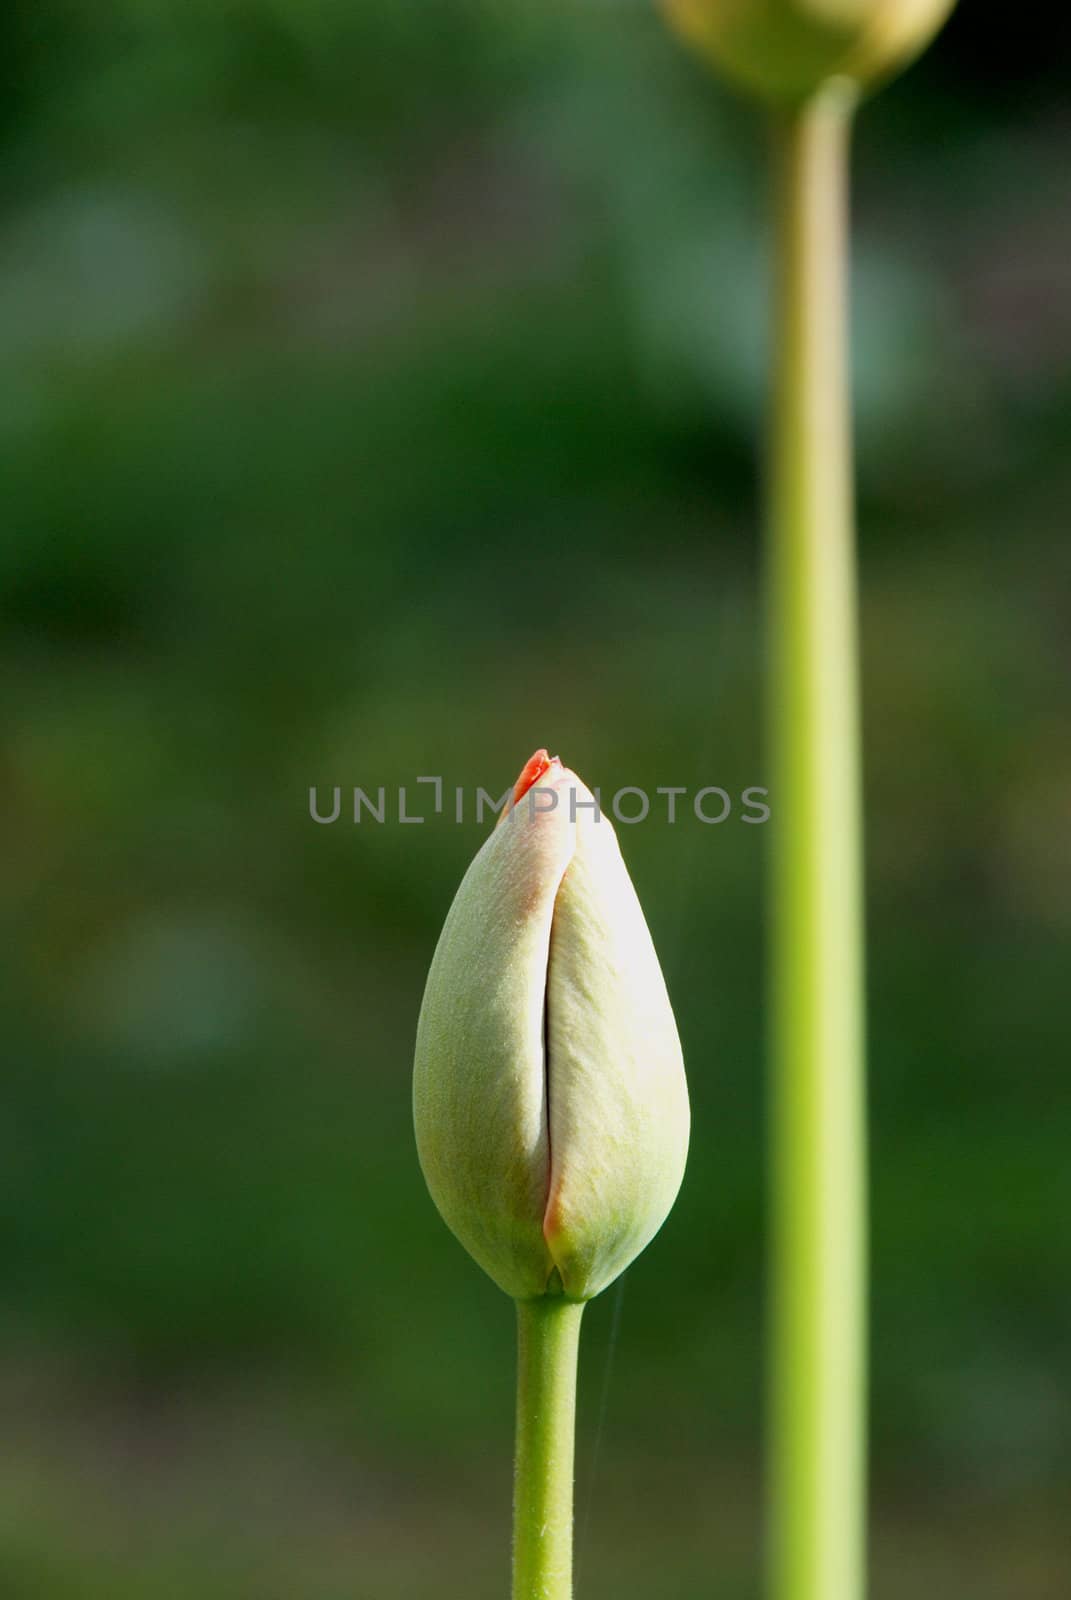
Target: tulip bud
549 1096
784 50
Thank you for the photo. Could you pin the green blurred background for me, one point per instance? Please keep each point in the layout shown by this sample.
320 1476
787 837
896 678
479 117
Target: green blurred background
380 397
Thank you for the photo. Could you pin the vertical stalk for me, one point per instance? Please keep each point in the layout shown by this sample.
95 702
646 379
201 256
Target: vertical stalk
548 1338
817 1118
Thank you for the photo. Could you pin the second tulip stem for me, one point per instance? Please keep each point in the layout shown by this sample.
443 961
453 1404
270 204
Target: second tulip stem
817 1446
548 1340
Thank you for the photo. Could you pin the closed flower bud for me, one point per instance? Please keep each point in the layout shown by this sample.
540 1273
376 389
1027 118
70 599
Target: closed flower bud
549 1095
784 50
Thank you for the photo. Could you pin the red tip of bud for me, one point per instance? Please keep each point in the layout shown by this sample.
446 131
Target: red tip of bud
531 773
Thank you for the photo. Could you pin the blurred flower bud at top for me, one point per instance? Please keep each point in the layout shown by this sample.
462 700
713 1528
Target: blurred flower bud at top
784 50
549 1095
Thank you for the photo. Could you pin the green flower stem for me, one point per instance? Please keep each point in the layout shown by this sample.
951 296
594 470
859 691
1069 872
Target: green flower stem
548 1340
817 1118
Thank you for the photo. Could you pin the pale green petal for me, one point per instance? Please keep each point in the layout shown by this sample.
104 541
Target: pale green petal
479 1095
619 1116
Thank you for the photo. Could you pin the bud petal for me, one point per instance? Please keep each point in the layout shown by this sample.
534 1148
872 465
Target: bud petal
619 1115
479 1088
